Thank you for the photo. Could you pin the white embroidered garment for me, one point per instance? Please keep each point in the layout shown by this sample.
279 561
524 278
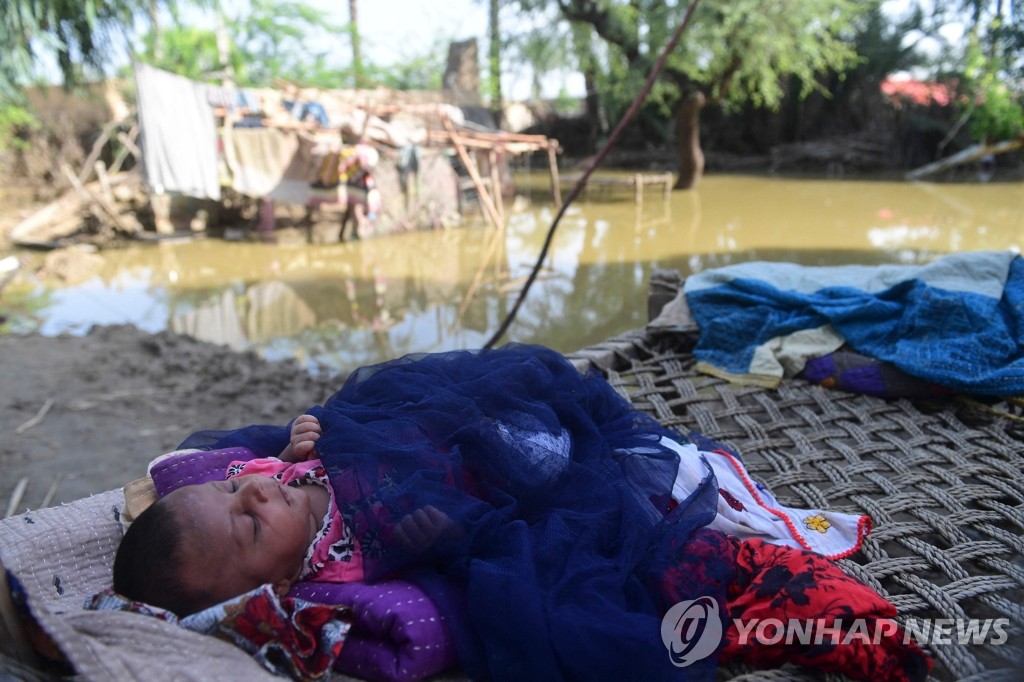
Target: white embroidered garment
746 509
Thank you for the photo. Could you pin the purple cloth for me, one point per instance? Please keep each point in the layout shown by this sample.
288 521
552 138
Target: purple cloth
398 634
851 371
192 468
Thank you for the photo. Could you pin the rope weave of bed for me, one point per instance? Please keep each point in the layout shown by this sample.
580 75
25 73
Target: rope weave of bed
943 483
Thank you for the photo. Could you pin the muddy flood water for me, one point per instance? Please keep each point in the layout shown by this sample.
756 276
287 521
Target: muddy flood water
343 305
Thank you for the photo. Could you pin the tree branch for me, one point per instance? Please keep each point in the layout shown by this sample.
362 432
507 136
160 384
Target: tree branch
726 80
606 26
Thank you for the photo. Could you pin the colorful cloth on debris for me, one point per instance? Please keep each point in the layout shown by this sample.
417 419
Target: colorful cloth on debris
957 322
287 636
533 489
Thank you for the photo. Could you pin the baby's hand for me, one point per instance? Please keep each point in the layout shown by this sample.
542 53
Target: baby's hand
419 531
305 431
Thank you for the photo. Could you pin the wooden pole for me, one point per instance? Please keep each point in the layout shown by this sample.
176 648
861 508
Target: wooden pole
968 155
492 158
556 186
127 147
97 204
101 174
16 496
129 142
474 174
496 240
97 149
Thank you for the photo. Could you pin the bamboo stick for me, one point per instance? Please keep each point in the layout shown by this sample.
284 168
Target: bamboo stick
95 201
474 174
129 142
97 149
492 158
38 417
19 492
52 491
101 175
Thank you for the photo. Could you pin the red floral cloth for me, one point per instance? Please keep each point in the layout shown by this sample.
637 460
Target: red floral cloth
766 586
287 636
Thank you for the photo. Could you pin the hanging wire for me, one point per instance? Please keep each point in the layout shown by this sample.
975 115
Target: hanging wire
598 158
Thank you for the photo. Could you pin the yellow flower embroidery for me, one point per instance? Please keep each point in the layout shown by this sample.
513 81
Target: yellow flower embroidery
818 523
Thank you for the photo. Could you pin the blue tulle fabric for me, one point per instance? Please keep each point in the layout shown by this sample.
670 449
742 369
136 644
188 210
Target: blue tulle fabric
561 529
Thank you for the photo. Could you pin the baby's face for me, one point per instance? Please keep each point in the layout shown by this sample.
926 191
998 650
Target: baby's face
244 532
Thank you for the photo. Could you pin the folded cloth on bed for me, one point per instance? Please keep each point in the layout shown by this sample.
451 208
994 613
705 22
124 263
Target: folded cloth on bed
398 634
287 636
849 371
957 322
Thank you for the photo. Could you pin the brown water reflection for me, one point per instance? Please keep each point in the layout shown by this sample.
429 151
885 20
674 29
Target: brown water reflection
349 304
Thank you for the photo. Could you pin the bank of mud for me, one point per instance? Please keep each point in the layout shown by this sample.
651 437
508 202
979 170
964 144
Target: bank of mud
84 414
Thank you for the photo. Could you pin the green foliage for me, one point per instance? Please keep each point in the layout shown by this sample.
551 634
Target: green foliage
273 39
267 41
413 70
82 35
565 104
185 50
13 119
23 306
734 52
882 44
995 112
988 64
545 47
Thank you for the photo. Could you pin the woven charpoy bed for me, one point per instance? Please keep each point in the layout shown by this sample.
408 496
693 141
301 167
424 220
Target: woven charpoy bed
943 482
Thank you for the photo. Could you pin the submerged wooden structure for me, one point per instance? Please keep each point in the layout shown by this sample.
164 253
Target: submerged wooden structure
637 182
943 482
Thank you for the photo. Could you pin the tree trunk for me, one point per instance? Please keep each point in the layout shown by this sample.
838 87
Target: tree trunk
494 60
688 150
462 76
357 48
595 121
158 38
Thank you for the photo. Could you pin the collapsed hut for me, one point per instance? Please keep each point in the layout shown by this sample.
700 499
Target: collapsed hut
207 156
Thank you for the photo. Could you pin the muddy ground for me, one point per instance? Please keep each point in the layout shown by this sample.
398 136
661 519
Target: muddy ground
80 415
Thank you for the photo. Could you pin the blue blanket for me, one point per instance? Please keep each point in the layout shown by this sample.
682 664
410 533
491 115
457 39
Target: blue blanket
957 322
